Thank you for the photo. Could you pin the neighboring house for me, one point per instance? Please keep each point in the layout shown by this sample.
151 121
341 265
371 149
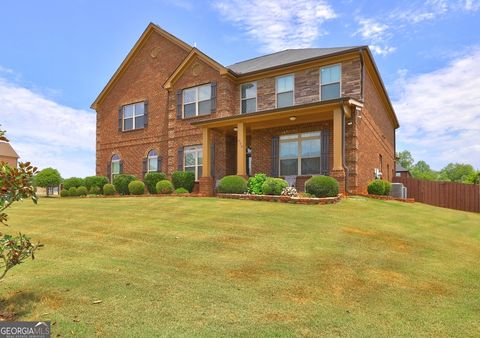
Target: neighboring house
401 171
295 113
8 154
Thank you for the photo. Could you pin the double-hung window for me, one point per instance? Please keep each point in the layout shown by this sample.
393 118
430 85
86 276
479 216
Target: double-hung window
249 97
284 87
197 101
152 161
192 160
330 82
133 116
300 154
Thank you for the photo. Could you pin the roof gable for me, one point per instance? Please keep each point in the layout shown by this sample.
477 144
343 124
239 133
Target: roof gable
148 31
7 150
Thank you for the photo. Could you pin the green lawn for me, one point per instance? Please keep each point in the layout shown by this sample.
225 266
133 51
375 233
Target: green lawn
211 267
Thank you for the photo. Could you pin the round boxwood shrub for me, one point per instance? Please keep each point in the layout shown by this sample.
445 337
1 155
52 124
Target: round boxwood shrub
109 189
121 183
94 190
376 187
73 182
273 186
181 191
151 180
98 181
64 193
82 191
164 187
322 186
387 185
72 191
136 187
232 184
183 179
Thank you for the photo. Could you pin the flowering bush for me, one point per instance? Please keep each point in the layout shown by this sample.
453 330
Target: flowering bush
289 191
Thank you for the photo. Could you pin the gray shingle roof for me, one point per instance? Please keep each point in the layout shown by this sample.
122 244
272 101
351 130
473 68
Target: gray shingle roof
285 57
399 168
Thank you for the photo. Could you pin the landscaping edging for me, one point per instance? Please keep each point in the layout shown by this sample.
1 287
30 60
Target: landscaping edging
282 199
388 198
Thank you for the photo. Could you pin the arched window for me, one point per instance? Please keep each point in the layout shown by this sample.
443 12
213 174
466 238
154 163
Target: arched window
152 161
115 166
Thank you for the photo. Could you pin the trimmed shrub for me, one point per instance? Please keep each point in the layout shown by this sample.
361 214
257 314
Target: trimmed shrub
73 182
151 180
232 184
72 191
376 187
136 187
94 190
64 193
322 186
121 183
82 191
273 186
98 181
109 189
254 184
164 187
181 191
387 185
183 179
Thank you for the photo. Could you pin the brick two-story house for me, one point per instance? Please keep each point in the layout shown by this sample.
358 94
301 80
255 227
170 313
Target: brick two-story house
294 114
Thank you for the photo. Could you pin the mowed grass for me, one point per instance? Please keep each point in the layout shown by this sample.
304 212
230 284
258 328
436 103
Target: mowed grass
212 267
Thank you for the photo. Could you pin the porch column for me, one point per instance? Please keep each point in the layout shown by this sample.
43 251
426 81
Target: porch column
206 187
337 171
241 149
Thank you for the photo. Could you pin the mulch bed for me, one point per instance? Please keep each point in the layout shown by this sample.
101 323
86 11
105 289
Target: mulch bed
388 198
282 199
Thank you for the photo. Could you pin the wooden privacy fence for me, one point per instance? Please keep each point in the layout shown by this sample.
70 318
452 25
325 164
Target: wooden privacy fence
443 194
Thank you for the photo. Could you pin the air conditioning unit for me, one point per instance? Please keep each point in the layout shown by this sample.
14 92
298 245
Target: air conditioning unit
398 190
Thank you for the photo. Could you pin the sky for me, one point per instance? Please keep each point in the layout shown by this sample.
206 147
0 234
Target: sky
56 56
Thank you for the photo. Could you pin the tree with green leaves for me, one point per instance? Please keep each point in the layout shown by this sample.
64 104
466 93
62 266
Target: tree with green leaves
47 178
423 171
15 185
457 172
405 159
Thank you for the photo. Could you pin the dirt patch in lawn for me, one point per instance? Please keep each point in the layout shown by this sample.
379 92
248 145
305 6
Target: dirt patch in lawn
389 240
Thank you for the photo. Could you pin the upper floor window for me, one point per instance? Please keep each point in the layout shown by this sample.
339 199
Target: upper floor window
330 82
197 101
193 160
284 87
152 161
115 166
133 116
300 154
249 97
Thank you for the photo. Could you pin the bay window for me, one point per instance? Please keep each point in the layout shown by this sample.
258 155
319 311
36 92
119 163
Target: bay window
300 154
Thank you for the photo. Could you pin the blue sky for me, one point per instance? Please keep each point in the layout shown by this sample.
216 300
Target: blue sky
56 56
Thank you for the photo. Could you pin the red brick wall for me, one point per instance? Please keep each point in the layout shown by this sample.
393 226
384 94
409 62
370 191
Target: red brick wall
10 160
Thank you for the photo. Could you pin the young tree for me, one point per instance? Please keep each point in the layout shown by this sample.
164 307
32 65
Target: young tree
405 159
457 172
47 178
15 185
423 171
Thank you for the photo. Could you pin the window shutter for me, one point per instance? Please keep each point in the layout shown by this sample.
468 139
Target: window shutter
212 159
109 171
159 164
180 159
325 138
121 167
213 99
145 114
275 155
120 117
145 164
179 105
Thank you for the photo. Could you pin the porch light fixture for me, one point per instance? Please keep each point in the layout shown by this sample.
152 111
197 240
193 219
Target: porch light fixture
235 129
292 118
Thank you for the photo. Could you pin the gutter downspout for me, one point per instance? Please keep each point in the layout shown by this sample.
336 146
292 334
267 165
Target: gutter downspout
362 73
344 163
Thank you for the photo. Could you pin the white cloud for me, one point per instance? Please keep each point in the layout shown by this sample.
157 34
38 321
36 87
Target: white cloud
471 5
376 33
278 25
46 133
439 113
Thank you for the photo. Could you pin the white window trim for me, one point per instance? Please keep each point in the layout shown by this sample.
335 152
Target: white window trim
195 149
299 157
321 84
197 101
148 162
111 168
134 116
256 96
276 89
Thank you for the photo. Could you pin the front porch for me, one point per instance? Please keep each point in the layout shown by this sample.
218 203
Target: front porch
254 143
